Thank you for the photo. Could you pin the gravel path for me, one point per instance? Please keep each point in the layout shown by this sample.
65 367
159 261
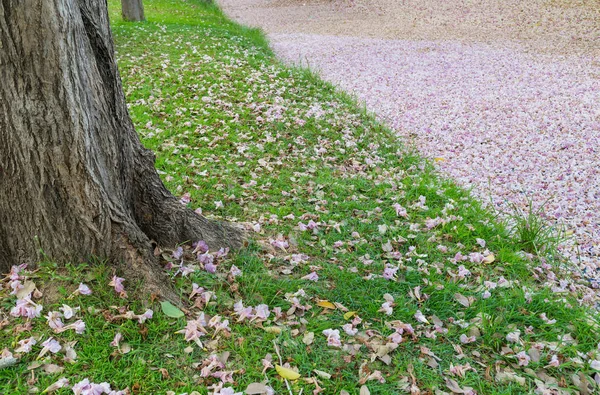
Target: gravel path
507 99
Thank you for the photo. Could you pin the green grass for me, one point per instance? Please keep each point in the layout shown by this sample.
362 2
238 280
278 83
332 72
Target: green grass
231 124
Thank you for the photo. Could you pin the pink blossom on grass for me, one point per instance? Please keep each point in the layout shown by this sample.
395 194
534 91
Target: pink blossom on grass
523 358
54 320
312 276
333 337
117 284
262 312
389 273
117 339
235 271
26 308
25 345
349 329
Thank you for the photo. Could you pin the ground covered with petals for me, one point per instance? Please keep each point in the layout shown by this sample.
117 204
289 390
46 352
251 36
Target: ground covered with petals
366 272
501 94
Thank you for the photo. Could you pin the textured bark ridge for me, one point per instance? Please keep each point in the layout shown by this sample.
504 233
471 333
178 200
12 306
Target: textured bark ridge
132 10
75 180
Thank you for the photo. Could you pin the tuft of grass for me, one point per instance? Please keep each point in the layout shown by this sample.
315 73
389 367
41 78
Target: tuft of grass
532 232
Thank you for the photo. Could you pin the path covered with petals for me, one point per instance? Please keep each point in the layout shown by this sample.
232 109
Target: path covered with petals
513 117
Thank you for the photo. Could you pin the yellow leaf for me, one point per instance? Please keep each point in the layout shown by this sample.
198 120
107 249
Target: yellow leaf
287 373
439 159
273 329
349 315
326 304
489 259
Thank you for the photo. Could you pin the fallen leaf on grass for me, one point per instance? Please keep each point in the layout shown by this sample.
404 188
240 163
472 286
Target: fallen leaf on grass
28 288
321 374
57 385
455 388
508 377
256 389
364 390
273 329
170 310
326 304
51 368
287 373
308 338
349 315
489 259
463 300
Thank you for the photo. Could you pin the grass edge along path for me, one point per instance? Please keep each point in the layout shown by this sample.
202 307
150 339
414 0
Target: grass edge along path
366 271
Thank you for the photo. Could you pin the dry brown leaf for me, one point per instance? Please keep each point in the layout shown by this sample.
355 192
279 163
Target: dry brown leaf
256 389
463 300
309 338
51 368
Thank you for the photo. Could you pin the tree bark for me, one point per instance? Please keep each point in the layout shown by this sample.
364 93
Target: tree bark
75 180
132 10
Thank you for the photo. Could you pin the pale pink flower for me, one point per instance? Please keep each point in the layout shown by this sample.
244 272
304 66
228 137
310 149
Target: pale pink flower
26 345
51 345
312 276
83 289
67 311
386 308
389 273
200 247
523 358
210 267
228 391
333 337
186 198
16 285
118 337
195 290
350 330
400 211
554 362
235 271
54 320
146 316
242 312
26 308
464 339
420 317
513 337
78 326
178 253
84 387
60 383
15 270
395 337
463 272
117 284
193 330
262 312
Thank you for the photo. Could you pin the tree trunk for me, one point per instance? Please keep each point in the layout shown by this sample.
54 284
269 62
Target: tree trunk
75 180
132 10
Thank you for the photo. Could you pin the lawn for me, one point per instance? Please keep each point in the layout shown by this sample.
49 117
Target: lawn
364 271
